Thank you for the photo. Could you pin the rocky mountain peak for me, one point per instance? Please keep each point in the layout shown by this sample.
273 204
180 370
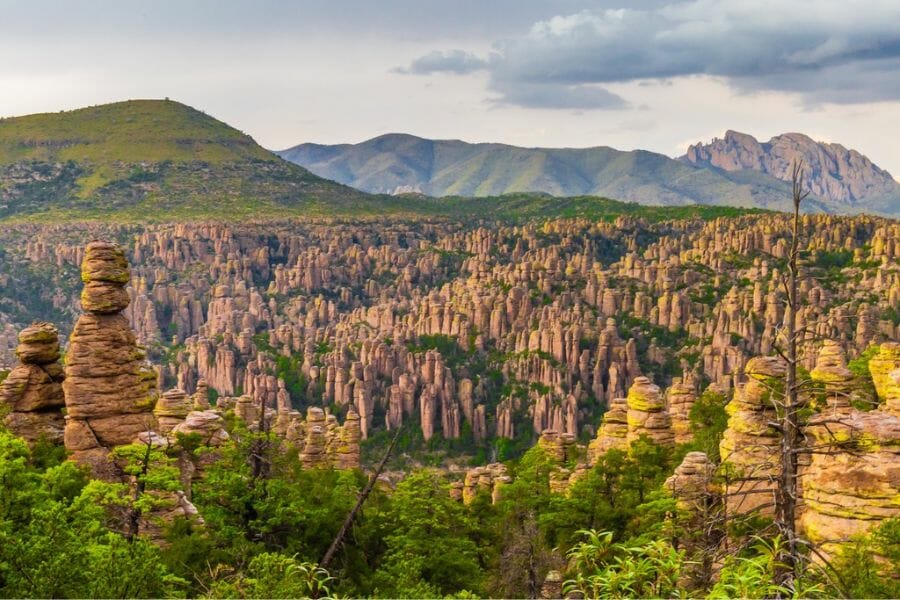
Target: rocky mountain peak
831 171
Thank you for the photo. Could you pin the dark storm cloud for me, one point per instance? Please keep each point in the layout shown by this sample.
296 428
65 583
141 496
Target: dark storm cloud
827 51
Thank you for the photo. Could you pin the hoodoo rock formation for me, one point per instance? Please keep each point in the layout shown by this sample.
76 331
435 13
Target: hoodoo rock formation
613 432
750 445
647 413
692 482
32 392
110 391
471 332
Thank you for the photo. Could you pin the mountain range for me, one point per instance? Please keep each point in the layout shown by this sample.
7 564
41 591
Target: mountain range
151 160
718 173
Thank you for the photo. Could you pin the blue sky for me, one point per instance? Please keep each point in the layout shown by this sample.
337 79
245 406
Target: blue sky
640 74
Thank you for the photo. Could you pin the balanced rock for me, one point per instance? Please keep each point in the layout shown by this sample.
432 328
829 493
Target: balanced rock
313 454
32 392
613 432
109 390
690 483
346 454
680 398
208 424
647 414
171 409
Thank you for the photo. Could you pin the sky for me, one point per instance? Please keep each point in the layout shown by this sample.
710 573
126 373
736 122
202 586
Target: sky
651 74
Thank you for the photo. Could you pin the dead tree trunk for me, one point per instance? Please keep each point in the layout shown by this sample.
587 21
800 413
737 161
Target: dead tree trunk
787 489
351 516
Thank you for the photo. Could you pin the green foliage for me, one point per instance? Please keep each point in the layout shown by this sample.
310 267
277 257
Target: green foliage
708 421
271 575
755 575
867 568
54 540
430 550
601 569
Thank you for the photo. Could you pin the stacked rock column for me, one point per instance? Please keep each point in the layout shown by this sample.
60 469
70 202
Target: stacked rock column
33 390
110 392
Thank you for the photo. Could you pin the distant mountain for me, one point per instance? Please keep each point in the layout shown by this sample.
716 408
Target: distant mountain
397 163
148 159
844 179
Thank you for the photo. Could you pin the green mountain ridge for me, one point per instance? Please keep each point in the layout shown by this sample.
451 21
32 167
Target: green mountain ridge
396 163
141 159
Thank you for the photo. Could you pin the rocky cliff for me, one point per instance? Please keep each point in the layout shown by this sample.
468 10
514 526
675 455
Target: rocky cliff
844 179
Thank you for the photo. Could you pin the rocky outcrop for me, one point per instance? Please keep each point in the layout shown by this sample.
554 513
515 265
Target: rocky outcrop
832 374
749 446
208 424
171 410
647 413
885 370
852 482
680 398
110 392
831 171
489 479
32 393
691 483
613 432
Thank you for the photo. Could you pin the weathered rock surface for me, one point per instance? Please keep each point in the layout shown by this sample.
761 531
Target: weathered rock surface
647 413
749 446
692 481
831 171
110 392
613 432
884 366
853 482
32 392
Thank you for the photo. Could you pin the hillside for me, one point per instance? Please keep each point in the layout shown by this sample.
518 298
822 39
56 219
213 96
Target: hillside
147 159
398 163
845 179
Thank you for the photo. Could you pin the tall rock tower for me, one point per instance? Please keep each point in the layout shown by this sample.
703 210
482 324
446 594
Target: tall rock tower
110 392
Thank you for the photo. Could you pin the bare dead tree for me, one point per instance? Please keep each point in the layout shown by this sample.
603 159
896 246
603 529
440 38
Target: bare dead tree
786 489
351 516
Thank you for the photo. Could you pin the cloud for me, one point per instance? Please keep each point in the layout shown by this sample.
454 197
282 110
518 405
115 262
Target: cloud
825 51
458 62
572 97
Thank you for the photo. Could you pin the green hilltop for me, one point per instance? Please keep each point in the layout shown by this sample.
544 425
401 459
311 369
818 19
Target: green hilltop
143 159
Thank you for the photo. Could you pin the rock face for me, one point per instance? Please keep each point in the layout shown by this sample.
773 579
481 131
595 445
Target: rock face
171 410
831 171
690 484
884 367
854 482
832 373
32 392
680 398
749 445
208 424
647 414
489 478
110 393
613 432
